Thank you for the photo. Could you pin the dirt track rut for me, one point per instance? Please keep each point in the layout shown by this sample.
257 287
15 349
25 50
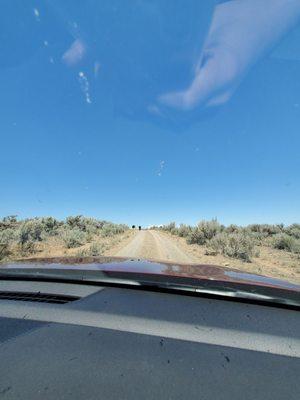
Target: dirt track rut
154 245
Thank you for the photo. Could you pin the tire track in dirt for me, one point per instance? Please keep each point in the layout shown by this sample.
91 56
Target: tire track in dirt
154 246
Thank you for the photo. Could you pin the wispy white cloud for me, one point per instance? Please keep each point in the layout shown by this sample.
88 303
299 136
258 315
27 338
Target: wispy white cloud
75 53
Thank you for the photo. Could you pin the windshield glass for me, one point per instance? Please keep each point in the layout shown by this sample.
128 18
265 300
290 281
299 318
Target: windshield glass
158 130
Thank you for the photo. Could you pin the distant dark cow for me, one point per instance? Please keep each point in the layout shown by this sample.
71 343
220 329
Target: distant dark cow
140 227
133 227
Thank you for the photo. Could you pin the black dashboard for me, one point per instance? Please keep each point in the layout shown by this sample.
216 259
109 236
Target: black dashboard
116 343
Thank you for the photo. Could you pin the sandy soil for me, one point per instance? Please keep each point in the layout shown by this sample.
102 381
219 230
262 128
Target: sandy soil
156 245
153 245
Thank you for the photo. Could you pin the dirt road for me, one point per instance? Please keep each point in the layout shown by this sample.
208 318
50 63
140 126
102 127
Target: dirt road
154 245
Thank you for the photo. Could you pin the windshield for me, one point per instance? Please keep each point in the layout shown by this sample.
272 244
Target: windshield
158 130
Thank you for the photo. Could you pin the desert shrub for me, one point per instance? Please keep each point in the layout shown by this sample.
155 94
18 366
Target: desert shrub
27 248
108 230
209 228
113 229
293 230
282 242
259 238
232 228
10 219
196 236
90 236
4 250
234 245
50 225
184 230
74 222
91 226
96 249
9 222
8 236
285 242
73 238
171 227
30 231
204 231
85 224
254 227
266 229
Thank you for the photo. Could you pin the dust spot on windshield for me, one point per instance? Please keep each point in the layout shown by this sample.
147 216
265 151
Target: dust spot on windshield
36 14
85 87
97 66
161 167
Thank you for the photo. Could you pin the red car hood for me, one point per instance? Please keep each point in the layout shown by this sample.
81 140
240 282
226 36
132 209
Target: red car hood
201 272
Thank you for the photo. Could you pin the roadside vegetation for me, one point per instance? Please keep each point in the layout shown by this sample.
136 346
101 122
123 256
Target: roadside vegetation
76 235
239 242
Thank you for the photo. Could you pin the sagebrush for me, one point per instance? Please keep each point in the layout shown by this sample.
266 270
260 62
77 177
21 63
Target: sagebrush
22 237
238 241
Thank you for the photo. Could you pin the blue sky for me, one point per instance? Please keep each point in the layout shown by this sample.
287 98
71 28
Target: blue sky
81 134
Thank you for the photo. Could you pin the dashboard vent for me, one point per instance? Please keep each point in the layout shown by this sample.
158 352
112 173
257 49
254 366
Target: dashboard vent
37 296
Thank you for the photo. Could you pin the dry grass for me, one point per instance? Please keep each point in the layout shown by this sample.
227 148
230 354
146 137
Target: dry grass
270 262
55 247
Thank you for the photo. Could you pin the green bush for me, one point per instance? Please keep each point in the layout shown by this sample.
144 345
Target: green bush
50 225
209 228
234 245
184 230
204 231
27 248
85 224
8 222
285 242
171 227
196 236
266 229
74 238
8 236
293 230
232 228
30 231
113 229
93 226
74 222
96 249
74 232
4 250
